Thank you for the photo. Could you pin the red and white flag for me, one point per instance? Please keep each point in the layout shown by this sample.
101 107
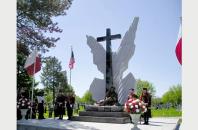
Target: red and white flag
72 60
178 49
33 63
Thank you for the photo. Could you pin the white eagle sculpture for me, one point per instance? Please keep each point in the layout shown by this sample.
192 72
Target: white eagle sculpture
120 60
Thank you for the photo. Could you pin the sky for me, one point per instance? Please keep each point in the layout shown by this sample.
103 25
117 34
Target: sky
154 59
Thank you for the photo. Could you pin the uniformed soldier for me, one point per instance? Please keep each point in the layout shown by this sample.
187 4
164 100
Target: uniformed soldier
72 102
60 103
69 106
146 98
41 101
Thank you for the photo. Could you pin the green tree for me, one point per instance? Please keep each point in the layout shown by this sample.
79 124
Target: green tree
48 96
34 19
52 76
156 101
51 73
87 98
69 89
24 81
140 84
78 99
173 95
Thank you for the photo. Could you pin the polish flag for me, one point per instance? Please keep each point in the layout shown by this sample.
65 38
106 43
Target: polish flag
178 49
33 63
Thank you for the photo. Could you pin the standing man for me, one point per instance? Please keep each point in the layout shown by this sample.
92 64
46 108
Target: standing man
69 109
60 101
146 98
41 101
72 102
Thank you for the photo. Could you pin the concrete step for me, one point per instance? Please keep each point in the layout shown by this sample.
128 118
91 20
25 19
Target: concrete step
103 114
117 120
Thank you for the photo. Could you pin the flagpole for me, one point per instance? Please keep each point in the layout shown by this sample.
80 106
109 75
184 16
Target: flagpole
70 69
33 87
70 77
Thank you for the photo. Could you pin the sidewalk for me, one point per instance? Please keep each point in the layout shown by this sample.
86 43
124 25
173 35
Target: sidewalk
51 124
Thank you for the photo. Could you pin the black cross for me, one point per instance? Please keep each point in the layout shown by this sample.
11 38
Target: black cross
109 69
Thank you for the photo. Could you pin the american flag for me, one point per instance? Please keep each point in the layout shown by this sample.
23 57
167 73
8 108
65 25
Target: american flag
72 60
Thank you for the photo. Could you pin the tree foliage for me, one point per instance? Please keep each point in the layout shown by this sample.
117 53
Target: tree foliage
35 18
34 21
156 101
50 76
24 81
140 84
87 98
173 95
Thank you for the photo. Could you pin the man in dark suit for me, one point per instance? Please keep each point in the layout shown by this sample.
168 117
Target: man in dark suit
146 98
41 101
60 101
70 104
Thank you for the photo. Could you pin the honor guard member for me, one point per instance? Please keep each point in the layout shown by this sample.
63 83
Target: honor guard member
60 102
41 101
146 98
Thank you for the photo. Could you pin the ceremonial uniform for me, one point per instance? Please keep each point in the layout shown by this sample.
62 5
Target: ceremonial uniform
146 98
41 101
69 107
34 109
72 102
60 103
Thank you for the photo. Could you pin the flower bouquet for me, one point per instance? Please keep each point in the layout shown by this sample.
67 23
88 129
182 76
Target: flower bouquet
135 106
23 104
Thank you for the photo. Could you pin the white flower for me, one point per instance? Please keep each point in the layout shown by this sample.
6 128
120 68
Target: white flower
23 104
143 107
17 106
130 100
140 104
125 106
137 110
131 106
136 106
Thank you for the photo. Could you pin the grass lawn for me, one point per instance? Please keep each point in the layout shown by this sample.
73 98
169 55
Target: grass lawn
172 112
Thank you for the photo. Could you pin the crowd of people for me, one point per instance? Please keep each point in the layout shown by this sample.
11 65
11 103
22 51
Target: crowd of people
66 101
62 103
146 98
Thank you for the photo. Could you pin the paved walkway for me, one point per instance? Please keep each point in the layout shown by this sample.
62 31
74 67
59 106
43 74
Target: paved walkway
155 124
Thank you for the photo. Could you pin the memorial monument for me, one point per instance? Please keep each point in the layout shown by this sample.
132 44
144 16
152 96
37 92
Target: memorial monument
112 91
113 64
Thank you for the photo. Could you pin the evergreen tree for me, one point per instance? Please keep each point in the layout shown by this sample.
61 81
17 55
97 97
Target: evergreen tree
34 20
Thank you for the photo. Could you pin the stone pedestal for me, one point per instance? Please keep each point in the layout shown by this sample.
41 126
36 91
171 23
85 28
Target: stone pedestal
103 114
